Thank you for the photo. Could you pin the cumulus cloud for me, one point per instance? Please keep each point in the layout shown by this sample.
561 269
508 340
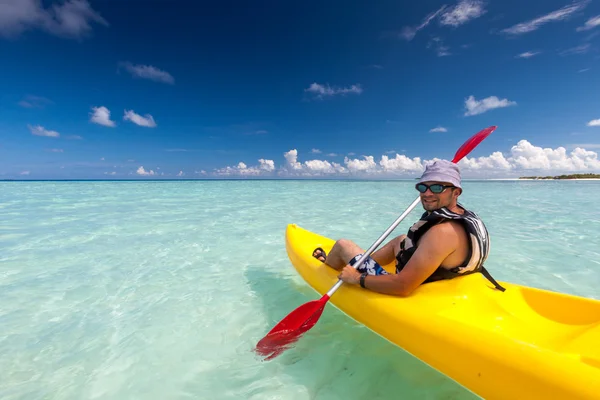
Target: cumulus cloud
320 91
147 120
554 16
291 158
242 169
39 130
522 158
438 129
148 72
101 116
70 19
527 156
142 171
475 107
401 163
594 122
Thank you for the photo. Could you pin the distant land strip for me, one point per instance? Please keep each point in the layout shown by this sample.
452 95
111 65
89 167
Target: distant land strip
572 176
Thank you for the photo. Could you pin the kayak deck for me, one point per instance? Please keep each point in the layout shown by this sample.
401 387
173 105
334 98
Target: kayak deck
521 343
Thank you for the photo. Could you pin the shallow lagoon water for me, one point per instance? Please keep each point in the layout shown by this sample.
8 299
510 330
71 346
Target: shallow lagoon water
160 290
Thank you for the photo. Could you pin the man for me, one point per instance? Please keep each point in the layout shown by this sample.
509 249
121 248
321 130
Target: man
447 242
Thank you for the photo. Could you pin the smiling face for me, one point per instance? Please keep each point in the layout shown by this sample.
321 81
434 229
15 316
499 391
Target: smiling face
447 198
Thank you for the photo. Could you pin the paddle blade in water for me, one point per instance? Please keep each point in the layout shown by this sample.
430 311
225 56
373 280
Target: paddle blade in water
472 143
289 330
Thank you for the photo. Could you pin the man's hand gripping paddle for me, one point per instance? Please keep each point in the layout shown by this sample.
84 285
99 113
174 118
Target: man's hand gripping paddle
306 316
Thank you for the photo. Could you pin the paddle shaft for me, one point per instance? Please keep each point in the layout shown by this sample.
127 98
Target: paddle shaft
377 242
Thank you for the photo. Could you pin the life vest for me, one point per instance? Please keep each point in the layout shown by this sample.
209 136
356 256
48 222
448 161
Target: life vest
479 244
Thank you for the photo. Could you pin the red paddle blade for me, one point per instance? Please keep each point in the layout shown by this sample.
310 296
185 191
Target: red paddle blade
472 143
290 329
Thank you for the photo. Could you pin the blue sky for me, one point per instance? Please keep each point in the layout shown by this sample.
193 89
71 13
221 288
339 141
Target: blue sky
171 89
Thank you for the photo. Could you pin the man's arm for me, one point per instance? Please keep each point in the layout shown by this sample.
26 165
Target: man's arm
439 242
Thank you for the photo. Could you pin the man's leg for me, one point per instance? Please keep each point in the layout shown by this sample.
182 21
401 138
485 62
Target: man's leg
344 250
387 253
341 253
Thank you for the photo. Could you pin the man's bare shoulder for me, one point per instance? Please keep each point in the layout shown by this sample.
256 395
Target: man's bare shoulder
446 234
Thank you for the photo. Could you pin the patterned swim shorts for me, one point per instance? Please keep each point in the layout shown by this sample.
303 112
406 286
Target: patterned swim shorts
370 266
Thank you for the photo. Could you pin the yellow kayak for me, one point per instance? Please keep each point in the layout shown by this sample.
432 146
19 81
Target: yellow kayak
524 343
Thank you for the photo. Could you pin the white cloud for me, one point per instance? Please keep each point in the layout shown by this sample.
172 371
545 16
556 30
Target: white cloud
110 173
495 161
581 49
55 150
367 164
463 12
315 151
25 173
536 23
39 130
590 24
528 54
594 122
401 163
522 159
409 32
142 171
148 72
267 165
244 170
438 44
71 19
291 158
321 91
475 107
31 101
101 116
439 129
147 120
180 173
459 14
322 167
526 156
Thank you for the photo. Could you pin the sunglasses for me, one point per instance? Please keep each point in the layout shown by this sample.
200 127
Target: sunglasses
435 188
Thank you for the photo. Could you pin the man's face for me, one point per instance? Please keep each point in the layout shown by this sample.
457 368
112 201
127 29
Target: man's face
433 201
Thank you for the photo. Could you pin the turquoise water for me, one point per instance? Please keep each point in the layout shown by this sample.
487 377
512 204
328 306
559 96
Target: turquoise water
160 290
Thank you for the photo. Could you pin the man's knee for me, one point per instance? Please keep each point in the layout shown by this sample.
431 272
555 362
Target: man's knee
397 243
347 249
345 243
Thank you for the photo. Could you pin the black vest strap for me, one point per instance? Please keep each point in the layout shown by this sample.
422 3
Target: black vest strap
491 279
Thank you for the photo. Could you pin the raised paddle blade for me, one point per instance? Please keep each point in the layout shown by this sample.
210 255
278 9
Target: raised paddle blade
291 328
472 143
